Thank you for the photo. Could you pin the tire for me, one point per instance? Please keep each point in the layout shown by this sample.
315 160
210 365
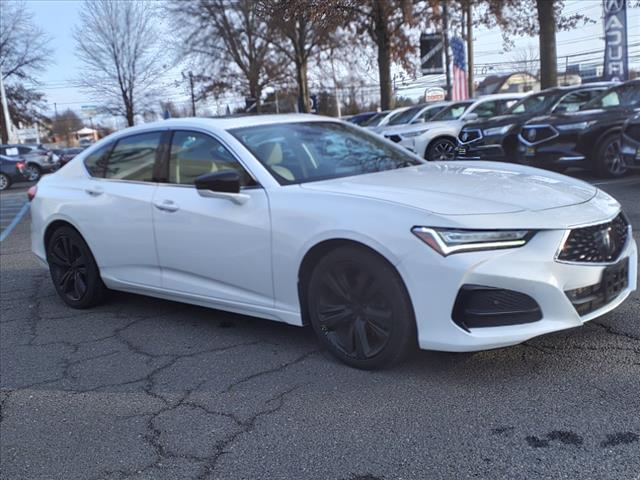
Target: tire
32 172
73 269
5 182
360 309
609 161
441 149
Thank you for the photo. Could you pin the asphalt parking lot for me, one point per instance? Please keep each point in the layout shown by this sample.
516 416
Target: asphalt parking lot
141 388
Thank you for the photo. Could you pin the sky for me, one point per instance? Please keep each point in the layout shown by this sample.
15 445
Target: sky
59 17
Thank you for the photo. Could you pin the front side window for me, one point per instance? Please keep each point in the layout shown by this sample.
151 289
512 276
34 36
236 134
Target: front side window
194 154
487 109
376 119
536 103
574 100
133 158
309 151
96 163
405 117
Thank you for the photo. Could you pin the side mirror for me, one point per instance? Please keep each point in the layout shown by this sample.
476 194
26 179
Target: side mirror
470 117
225 184
227 181
417 120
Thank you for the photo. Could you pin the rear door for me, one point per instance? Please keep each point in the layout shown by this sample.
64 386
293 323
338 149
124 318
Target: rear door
211 247
115 214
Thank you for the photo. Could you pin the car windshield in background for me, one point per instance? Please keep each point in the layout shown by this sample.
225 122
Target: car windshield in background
376 119
452 112
538 103
625 94
310 151
405 116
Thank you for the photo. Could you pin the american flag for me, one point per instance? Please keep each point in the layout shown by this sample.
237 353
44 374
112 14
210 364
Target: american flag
459 91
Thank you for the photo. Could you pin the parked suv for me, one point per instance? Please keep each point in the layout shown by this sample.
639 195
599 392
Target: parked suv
588 138
496 138
631 142
10 171
38 158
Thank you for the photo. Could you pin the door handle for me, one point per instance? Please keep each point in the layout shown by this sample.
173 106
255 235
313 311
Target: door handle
166 206
94 191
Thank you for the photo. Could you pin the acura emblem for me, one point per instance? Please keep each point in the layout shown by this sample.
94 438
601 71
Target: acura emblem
532 134
605 242
465 136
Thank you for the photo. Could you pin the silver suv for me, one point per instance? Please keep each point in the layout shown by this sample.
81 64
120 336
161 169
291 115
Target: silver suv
38 158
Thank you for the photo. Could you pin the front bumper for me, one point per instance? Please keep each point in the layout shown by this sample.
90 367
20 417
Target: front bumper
530 270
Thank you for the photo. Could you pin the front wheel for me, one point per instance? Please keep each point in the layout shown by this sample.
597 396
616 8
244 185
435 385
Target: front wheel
73 269
441 149
360 310
5 182
32 172
609 162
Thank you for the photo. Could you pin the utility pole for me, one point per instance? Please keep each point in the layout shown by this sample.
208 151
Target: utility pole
470 85
445 34
193 98
55 109
7 127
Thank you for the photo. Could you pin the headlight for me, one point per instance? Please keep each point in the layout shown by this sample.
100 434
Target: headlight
497 130
575 126
446 241
413 134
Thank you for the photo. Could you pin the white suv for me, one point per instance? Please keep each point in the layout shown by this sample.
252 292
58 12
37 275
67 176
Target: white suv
437 139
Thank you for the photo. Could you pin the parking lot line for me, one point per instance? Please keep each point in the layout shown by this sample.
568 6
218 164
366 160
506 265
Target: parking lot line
5 233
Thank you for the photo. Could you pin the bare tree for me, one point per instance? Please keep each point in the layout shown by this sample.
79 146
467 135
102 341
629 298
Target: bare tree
117 43
66 124
23 55
233 43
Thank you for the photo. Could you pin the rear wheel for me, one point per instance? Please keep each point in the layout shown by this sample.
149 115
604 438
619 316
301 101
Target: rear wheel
441 149
73 269
5 181
360 310
609 160
32 172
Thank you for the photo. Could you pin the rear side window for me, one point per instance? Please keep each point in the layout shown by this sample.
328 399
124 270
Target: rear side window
133 158
96 162
487 109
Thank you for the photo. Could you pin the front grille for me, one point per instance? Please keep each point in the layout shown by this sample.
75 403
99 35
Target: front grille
633 131
538 133
596 244
469 135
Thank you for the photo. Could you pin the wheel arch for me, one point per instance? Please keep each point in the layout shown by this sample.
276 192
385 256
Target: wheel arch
57 223
319 250
445 136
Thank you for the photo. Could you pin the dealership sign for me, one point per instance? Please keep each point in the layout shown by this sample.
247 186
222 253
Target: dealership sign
615 32
434 94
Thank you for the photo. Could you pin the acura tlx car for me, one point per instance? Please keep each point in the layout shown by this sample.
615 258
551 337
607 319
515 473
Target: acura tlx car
308 220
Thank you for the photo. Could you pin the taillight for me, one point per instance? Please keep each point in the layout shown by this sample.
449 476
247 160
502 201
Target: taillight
31 193
20 166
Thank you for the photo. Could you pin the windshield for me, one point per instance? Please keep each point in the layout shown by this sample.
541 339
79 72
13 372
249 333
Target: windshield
536 103
405 116
452 112
627 94
376 119
309 151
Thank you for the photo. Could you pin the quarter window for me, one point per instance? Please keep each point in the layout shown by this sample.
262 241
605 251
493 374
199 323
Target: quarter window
133 158
194 154
96 162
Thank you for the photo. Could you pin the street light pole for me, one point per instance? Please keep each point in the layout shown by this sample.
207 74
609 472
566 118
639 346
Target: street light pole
445 34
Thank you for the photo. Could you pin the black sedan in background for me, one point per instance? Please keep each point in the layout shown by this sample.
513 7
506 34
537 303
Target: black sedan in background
496 139
11 172
631 142
360 118
589 138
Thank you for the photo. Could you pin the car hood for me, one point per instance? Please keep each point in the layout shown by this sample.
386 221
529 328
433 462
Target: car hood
498 121
465 188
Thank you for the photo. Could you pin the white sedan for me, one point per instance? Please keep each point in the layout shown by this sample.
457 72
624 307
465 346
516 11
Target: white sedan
307 220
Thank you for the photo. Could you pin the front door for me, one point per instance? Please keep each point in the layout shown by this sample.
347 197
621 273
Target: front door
212 247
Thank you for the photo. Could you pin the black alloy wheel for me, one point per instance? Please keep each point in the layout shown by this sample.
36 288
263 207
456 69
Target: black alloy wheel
360 310
610 157
442 149
73 269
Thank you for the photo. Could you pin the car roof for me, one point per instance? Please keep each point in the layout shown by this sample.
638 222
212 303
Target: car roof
499 96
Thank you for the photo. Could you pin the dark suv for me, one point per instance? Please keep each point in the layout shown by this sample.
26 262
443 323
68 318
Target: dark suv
631 142
497 138
589 138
